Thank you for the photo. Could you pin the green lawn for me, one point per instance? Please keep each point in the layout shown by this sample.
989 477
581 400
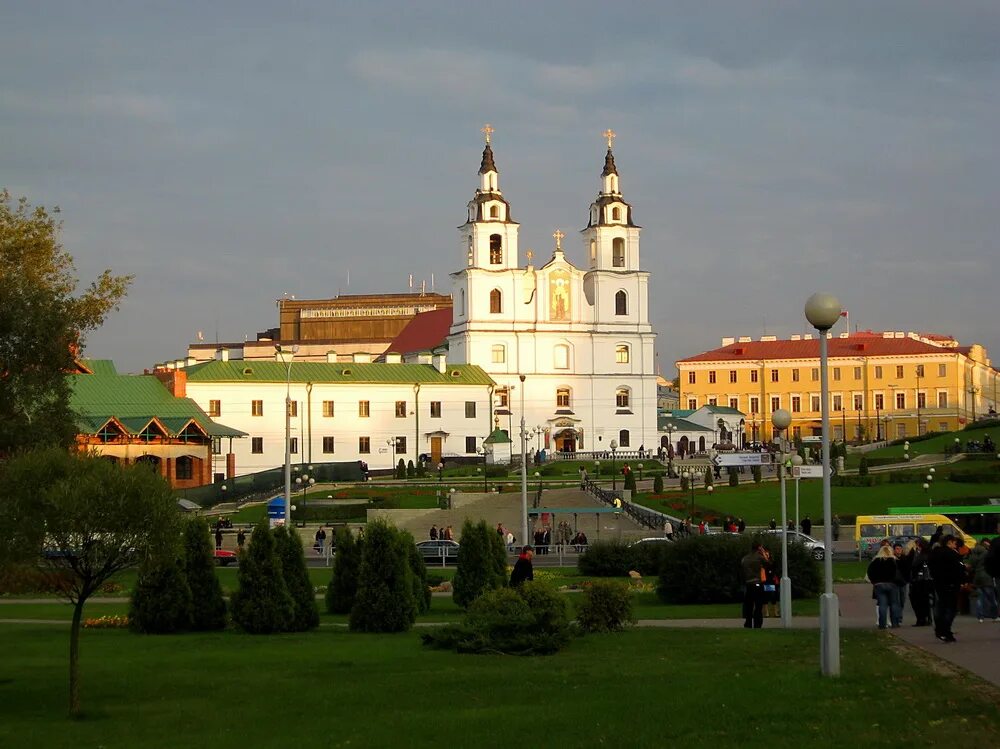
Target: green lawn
936 445
758 503
331 688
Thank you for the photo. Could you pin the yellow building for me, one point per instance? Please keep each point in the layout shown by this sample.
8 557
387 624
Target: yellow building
882 385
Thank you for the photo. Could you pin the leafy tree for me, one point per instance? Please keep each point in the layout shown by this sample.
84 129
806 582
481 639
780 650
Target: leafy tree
384 602
208 607
42 326
261 604
708 477
343 587
85 516
418 568
658 484
293 568
161 601
481 566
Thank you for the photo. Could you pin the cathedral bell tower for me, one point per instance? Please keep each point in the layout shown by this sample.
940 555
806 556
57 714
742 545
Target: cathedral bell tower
611 238
489 235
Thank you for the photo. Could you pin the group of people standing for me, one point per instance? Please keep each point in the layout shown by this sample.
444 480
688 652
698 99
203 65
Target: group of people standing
444 534
934 572
760 586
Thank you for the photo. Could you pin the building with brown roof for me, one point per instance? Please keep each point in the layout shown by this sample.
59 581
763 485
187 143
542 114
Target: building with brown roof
883 385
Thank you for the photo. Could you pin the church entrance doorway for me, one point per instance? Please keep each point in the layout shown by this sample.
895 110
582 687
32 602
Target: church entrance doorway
566 441
435 451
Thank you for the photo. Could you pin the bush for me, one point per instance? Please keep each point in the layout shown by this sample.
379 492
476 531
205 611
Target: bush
863 466
658 484
208 607
646 558
261 604
411 470
709 481
401 469
706 569
161 601
757 474
684 483
528 620
343 587
305 615
482 563
872 479
606 607
734 476
384 601
629 482
605 559
418 570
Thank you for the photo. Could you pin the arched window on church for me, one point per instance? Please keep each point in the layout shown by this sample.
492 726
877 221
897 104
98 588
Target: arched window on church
496 249
593 252
494 211
562 398
621 354
616 214
560 356
618 253
469 254
621 303
461 302
496 302
623 397
623 438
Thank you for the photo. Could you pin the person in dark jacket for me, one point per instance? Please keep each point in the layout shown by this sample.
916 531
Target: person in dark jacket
752 570
902 580
882 575
921 584
807 525
523 569
948 572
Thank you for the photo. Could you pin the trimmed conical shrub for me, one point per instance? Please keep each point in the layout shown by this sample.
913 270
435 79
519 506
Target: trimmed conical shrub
482 563
293 569
418 569
161 601
658 484
208 607
343 587
384 601
261 604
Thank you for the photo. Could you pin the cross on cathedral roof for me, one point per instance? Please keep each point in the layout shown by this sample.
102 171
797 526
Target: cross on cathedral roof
558 235
609 134
488 130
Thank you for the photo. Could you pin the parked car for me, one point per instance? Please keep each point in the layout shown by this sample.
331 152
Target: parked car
226 557
817 548
435 551
652 540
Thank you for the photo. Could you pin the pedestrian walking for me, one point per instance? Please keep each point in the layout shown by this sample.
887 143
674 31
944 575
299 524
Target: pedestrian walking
523 569
752 568
882 576
218 537
948 573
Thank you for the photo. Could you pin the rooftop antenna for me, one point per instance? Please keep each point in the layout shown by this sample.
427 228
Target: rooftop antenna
423 287
411 283
432 283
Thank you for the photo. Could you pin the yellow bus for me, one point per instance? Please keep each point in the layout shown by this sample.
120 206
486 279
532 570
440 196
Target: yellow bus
869 530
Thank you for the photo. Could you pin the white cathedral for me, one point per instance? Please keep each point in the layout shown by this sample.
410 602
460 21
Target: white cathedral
573 345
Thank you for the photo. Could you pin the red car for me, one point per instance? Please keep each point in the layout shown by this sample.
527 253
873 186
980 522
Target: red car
225 557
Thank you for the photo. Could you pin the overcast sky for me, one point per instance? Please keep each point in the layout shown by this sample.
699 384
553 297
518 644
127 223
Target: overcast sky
227 153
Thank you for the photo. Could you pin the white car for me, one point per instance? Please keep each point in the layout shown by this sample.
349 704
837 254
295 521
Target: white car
795 537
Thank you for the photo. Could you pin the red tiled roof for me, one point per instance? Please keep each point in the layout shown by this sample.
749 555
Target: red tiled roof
854 346
424 332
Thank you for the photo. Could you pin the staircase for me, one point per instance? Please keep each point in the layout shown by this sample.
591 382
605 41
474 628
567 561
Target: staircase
506 508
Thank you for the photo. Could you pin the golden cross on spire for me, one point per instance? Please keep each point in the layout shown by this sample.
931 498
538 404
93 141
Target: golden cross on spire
610 135
530 255
558 235
487 130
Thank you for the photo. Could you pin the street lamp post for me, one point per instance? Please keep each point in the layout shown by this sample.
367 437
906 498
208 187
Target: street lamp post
286 354
640 471
822 311
796 462
859 425
781 419
927 485
878 425
688 476
391 442
670 450
888 421
440 472
614 478
524 469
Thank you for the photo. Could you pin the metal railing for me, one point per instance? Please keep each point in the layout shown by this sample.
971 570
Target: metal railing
643 516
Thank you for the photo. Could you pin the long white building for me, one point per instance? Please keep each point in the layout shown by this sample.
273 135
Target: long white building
574 345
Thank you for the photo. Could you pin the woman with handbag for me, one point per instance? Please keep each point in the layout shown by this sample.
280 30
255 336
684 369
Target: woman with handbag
882 575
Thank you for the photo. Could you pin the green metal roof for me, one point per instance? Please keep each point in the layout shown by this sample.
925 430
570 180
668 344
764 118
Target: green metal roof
680 425
100 366
134 401
723 410
497 437
339 372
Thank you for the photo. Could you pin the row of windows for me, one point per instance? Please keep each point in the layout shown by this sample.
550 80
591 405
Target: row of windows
364 409
836 373
564 397
837 402
560 355
398 444
621 303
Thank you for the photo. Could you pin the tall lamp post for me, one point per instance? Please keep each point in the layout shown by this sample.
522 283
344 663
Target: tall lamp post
391 442
614 478
524 469
796 462
927 486
689 477
670 450
286 354
781 420
822 311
